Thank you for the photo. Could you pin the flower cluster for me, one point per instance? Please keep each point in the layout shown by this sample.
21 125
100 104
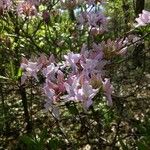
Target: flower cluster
27 8
5 5
93 18
95 21
113 48
79 78
143 18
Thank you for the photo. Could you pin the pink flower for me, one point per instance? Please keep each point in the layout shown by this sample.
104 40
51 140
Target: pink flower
49 72
97 52
108 88
72 60
85 94
92 20
31 69
143 19
92 61
80 84
54 89
71 85
49 92
5 5
80 90
89 65
43 60
111 48
26 8
34 2
58 84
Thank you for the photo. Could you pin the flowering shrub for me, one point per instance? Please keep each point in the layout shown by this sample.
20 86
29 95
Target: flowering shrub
69 53
82 75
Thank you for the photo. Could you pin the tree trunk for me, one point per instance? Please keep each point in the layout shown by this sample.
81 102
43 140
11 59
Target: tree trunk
139 6
25 106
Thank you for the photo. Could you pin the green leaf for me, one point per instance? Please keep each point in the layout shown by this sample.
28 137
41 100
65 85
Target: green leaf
12 69
19 74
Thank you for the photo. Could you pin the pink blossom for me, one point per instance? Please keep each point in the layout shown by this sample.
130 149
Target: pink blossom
54 89
97 52
92 20
58 84
60 76
80 84
31 69
85 94
49 71
26 8
34 2
49 92
111 48
72 60
143 18
89 65
96 19
43 60
81 75
93 61
80 90
71 85
5 4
